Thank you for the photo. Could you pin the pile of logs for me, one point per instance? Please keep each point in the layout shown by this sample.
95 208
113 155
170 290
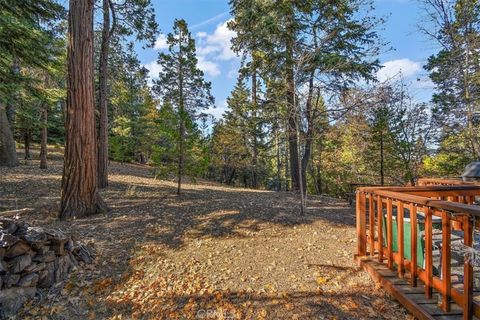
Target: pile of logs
31 258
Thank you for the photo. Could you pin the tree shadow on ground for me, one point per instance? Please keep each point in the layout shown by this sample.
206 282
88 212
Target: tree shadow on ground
209 211
244 305
147 211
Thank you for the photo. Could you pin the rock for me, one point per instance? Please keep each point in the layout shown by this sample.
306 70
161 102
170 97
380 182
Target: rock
7 240
35 267
10 280
21 262
47 276
48 256
18 249
11 300
30 280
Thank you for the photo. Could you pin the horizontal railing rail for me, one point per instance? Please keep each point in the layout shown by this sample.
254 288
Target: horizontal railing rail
383 210
444 182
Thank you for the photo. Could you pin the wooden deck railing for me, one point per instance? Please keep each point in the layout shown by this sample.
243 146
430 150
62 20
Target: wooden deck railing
379 207
444 182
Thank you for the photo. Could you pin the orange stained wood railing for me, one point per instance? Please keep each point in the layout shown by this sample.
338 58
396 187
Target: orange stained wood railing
444 182
451 204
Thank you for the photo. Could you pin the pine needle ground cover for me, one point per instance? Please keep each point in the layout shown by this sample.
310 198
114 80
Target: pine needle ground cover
212 253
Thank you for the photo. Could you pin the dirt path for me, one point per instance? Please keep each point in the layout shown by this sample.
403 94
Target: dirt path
212 253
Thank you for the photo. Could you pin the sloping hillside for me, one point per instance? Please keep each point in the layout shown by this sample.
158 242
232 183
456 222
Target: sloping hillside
213 253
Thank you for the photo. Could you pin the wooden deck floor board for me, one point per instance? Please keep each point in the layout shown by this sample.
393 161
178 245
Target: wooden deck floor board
412 298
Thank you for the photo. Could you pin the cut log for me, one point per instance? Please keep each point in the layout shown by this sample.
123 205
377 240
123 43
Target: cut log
16 213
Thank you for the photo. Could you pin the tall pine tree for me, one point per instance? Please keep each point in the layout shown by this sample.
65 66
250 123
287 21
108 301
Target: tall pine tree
80 197
27 22
182 83
455 69
131 18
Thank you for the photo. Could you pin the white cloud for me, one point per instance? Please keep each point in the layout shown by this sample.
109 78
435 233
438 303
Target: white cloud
209 67
153 70
233 73
221 41
423 82
206 50
161 43
213 48
218 111
394 68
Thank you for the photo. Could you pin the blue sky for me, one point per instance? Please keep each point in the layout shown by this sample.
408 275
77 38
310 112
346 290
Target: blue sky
207 18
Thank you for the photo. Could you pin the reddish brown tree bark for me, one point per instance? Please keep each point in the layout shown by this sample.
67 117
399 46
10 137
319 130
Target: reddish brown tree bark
254 129
43 134
8 151
26 139
103 99
80 197
293 117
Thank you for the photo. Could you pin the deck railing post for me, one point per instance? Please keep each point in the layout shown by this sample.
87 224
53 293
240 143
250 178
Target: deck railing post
390 233
428 253
361 225
400 215
446 261
371 215
413 244
470 199
380 228
467 271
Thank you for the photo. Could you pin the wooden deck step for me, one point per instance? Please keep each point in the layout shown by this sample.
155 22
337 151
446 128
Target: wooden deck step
412 298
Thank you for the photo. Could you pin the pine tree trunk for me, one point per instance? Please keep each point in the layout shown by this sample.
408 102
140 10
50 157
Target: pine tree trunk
43 138
103 99
319 173
10 106
10 111
181 151
254 129
182 116
310 133
80 197
279 162
300 178
26 137
291 107
382 160
8 151
287 168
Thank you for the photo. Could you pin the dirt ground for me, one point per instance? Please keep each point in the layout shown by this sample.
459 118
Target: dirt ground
214 252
